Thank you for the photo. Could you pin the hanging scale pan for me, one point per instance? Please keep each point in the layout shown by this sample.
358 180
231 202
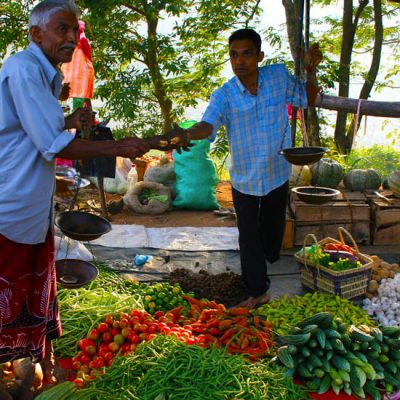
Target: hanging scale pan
303 155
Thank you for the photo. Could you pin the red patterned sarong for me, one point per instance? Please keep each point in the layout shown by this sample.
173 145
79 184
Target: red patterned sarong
28 306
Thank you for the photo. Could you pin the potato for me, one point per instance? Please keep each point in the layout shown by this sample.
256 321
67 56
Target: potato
376 277
375 261
385 265
373 286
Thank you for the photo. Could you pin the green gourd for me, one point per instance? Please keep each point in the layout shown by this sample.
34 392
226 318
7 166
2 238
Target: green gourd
362 180
327 173
394 182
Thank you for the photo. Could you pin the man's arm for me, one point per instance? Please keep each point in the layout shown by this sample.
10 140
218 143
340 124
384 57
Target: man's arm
80 149
201 130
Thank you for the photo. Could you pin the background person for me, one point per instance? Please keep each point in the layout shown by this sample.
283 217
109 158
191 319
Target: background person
252 107
32 133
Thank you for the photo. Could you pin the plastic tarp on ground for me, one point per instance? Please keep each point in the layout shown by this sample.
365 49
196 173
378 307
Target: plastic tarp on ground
173 238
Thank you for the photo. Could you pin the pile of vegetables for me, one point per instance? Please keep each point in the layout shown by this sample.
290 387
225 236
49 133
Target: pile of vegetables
166 368
207 325
385 307
286 312
326 353
148 194
83 309
380 270
161 297
338 257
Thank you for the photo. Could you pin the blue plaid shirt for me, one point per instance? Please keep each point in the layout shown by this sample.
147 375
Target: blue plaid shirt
257 127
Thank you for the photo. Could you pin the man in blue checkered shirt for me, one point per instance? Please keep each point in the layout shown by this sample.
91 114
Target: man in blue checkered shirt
252 107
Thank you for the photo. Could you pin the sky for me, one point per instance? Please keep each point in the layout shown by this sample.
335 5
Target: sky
373 130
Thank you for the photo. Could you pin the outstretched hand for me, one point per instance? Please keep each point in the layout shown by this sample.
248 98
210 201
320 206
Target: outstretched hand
131 147
177 138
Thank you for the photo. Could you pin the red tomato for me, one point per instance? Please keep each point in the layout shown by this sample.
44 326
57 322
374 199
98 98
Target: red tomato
136 313
114 347
85 359
150 336
124 323
152 328
103 327
79 383
99 363
92 364
116 325
135 339
115 331
108 356
126 332
123 315
137 326
190 341
158 314
76 365
88 346
94 334
107 337
109 319
103 351
126 348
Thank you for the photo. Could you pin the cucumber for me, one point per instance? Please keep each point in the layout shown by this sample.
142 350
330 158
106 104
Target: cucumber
297 340
391 331
331 333
321 338
305 352
372 390
325 384
322 319
340 363
292 349
337 345
389 378
359 335
303 371
369 371
344 375
285 357
315 361
312 328
377 333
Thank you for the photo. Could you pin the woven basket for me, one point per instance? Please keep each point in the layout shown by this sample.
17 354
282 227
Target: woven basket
346 284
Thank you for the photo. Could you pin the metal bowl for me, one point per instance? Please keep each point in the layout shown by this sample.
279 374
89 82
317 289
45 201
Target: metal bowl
82 226
73 273
303 155
315 195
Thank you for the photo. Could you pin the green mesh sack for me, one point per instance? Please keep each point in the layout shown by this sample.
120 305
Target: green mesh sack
196 178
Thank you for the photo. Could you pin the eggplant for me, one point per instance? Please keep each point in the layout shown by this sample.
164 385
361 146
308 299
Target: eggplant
334 255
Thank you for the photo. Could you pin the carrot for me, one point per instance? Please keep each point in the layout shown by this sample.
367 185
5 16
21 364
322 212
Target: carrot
225 324
227 335
256 321
239 311
244 343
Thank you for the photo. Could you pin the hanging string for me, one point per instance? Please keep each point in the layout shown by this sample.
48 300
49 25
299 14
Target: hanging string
357 118
304 128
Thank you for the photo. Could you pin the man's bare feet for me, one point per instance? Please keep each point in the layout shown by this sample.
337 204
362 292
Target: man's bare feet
252 302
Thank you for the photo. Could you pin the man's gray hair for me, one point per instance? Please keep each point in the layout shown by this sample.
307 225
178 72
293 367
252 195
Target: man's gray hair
42 12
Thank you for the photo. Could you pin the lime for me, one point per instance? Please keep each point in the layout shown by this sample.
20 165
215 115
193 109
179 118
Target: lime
148 298
152 304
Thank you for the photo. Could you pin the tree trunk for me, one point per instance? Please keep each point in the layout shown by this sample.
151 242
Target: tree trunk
372 73
156 77
311 116
349 31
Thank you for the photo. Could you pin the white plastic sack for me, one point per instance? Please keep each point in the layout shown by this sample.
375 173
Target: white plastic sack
69 248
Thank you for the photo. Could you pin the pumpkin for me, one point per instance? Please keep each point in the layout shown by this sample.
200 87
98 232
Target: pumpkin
394 182
327 173
300 176
362 179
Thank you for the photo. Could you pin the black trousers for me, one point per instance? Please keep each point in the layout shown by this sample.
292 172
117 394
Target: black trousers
261 224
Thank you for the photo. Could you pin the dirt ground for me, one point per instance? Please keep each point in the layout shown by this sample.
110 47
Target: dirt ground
172 218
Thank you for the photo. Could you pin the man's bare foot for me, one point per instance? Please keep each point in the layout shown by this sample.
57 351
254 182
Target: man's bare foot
252 302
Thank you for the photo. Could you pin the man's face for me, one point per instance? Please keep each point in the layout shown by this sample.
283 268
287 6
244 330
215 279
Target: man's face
58 40
244 57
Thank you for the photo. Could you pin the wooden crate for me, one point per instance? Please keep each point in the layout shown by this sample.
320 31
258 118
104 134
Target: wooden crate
385 218
288 237
350 210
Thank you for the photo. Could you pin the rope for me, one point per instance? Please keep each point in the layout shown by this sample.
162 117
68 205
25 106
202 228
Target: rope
357 117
